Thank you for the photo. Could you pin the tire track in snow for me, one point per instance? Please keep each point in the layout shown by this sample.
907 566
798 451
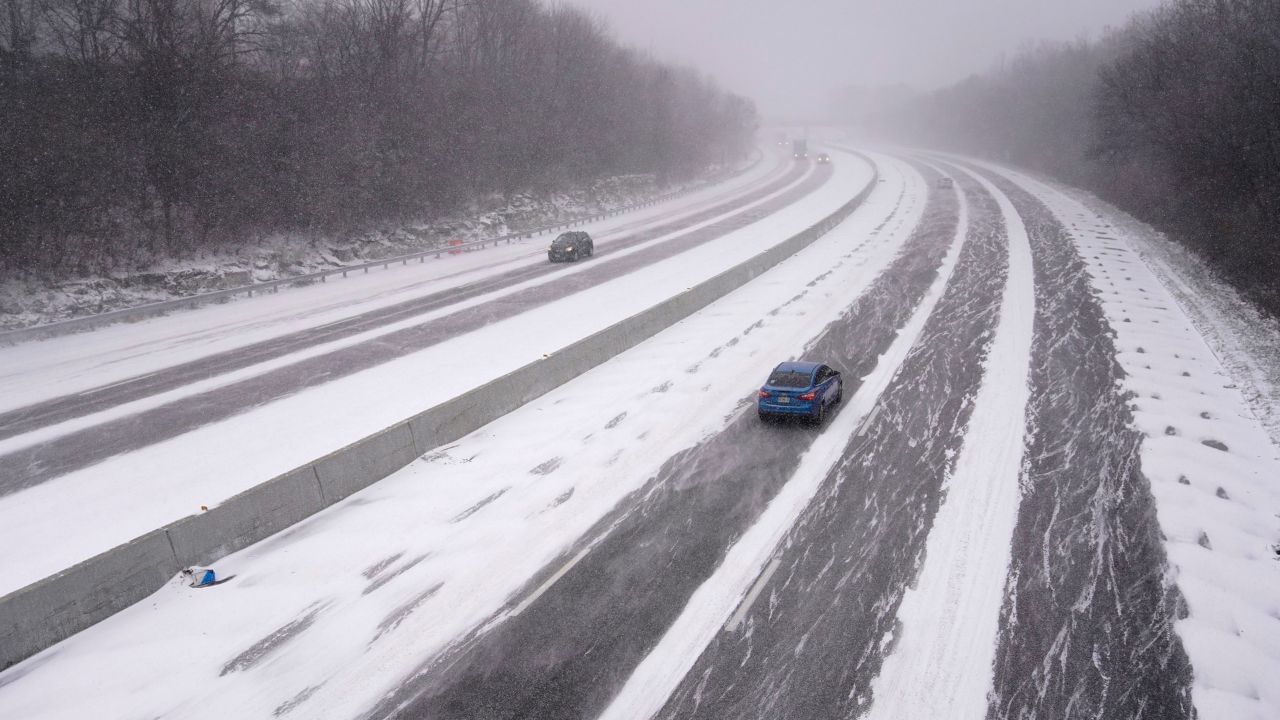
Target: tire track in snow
756 555
948 621
1087 620
815 640
1217 505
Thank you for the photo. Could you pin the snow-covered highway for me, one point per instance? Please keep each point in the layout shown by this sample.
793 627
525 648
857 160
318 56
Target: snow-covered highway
118 473
414 325
1042 497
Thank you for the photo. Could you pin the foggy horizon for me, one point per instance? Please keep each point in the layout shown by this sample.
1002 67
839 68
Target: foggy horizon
771 54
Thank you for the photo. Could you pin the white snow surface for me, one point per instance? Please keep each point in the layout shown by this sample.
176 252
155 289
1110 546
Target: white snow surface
82 513
1245 340
941 665
445 543
1218 507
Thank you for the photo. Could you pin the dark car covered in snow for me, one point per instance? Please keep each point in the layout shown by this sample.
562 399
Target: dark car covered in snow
571 246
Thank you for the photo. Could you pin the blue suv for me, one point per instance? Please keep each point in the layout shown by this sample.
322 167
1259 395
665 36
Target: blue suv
804 389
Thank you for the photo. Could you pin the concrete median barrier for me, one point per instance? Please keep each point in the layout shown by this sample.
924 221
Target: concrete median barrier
246 518
46 612
363 463
57 607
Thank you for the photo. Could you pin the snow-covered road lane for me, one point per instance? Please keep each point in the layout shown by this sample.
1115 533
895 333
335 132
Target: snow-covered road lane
275 373
1086 627
1160 589
401 569
726 600
945 635
430 298
132 427
816 637
37 371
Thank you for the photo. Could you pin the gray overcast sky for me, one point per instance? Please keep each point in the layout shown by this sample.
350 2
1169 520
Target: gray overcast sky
789 56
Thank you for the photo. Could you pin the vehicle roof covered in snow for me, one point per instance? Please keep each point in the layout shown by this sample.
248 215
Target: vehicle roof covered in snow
802 366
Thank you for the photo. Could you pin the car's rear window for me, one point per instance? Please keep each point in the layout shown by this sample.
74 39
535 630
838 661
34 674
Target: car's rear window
789 378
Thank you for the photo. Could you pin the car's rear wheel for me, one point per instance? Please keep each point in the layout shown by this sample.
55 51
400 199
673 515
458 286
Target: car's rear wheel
839 393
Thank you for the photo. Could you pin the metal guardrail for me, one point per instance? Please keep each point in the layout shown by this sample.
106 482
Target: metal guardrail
71 325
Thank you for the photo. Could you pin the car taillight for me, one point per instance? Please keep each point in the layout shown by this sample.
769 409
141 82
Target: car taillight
764 394
809 396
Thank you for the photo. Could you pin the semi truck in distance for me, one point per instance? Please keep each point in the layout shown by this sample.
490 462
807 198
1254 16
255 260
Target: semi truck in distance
799 149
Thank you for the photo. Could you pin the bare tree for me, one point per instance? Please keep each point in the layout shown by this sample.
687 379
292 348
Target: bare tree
1175 117
218 119
18 32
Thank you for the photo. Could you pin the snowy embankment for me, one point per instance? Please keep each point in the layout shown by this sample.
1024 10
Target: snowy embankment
444 543
1245 340
1213 468
133 493
31 300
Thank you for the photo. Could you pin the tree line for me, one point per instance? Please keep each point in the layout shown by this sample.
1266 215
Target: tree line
1174 117
134 127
